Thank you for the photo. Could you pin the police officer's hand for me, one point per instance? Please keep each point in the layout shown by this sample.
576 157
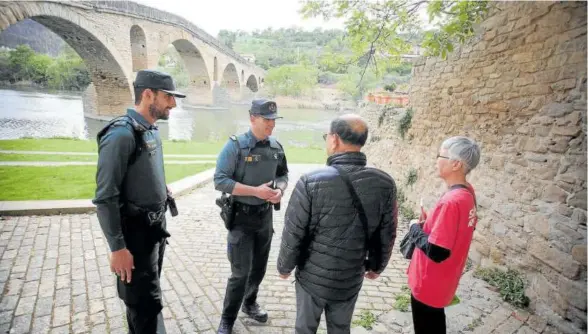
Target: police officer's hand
121 263
265 192
371 275
276 198
284 276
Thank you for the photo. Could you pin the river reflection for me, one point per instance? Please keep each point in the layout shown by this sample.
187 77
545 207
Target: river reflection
46 115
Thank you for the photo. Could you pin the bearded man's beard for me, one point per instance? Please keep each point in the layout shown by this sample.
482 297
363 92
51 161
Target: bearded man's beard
157 113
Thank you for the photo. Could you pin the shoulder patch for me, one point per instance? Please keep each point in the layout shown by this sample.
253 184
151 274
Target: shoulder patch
233 137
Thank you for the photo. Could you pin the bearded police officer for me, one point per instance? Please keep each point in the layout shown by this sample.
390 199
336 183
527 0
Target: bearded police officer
131 198
252 167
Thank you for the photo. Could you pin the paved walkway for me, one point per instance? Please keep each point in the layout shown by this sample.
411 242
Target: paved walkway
480 311
55 276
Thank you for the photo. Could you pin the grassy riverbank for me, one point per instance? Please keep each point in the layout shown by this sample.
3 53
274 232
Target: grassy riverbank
67 182
78 182
293 154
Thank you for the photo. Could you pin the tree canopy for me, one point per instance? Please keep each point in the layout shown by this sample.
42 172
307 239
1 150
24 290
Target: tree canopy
378 32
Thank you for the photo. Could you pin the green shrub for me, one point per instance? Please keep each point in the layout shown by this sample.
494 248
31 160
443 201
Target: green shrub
405 123
366 320
510 284
412 177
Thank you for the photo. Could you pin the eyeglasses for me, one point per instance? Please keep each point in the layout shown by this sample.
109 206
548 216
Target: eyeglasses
442 156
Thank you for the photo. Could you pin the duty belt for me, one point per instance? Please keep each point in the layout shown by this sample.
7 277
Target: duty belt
153 218
151 212
252 209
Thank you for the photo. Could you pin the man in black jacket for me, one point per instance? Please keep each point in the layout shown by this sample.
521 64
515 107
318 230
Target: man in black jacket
324 236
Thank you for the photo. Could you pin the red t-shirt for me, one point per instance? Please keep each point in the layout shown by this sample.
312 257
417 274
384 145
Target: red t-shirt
449 225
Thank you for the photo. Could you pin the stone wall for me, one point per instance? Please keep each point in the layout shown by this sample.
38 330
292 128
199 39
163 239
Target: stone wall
519 89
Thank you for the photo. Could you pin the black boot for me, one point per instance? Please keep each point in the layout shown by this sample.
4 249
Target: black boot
255 311
225 327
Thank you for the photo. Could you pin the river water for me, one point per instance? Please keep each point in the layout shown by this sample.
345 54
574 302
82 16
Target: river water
36 114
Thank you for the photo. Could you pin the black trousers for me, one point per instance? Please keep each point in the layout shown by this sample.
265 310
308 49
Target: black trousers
142 296
248 247
427 319
309 310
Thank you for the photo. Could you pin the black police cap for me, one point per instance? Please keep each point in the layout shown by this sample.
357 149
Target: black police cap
157 80
264 108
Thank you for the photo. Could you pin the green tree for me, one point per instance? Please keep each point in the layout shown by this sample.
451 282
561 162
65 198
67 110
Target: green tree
38 66
171 62
357 81
379 32
20 59
68 71
5 70
228 38
291 80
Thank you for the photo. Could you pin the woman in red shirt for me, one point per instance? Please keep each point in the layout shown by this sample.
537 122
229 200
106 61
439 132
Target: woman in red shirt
443 240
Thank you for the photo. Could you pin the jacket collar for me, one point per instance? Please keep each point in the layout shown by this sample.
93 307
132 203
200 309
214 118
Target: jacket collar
252 140
347 158
139 118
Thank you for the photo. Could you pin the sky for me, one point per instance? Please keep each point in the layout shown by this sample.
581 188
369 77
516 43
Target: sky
249 15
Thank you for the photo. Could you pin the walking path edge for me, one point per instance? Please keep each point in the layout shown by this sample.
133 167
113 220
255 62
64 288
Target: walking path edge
78 206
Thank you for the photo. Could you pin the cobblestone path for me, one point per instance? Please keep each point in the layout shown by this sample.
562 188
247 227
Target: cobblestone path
55 275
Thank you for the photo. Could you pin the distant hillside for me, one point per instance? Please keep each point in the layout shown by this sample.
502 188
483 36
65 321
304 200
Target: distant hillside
276 47
33 34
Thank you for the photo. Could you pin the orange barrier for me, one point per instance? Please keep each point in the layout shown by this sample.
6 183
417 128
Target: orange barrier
387 99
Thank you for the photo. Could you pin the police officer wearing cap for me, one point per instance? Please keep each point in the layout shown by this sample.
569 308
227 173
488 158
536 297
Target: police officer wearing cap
131 198
252 168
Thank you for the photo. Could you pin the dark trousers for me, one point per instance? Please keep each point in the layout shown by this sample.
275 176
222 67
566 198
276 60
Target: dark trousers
142 296
427 319
248 247
309 310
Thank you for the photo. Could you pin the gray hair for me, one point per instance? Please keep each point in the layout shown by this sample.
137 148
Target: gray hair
463 149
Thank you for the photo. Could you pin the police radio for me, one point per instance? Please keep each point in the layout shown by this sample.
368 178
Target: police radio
275 186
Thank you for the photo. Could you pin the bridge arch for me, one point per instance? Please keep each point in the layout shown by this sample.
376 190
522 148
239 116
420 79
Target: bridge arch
111 83
198 91
215 70
252 83
138 48
230 81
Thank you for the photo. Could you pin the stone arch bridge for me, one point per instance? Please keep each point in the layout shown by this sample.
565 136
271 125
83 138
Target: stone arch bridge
118 38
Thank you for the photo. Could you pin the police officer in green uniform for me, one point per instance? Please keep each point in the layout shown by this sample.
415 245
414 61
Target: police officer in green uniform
252 168
132 197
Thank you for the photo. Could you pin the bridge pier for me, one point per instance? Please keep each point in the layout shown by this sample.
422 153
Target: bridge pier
105 101
198 95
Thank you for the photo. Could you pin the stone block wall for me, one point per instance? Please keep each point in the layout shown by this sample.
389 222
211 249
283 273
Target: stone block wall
519 89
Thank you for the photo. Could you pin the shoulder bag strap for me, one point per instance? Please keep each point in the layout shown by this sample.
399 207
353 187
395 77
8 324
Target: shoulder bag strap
356 202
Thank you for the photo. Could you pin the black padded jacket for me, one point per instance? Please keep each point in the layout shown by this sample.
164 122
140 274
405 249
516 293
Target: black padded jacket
323 235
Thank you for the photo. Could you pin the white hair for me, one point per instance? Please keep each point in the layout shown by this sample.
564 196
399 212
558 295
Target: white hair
463 149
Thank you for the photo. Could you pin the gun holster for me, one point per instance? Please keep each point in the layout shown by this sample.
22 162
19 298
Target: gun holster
171 204
227 213
151 219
